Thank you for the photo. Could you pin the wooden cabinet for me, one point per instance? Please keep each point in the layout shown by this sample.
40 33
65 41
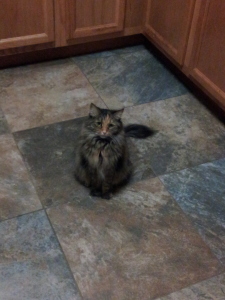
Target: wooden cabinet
134 14
189 32
167 25
205 59
26 22
94 17
77 19
57 23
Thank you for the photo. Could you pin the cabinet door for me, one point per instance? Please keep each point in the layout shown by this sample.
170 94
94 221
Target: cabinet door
167 25
205 60
94 17
25 22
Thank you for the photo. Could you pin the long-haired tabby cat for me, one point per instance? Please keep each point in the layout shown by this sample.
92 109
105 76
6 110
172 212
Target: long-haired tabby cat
102 157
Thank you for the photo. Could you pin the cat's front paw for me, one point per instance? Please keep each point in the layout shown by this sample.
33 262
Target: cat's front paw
106 196
95 193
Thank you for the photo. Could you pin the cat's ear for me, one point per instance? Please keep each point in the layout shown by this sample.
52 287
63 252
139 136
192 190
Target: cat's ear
94 110
118 113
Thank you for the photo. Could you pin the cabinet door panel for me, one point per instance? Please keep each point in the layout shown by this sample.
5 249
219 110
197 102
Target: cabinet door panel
94 17
206 53
25 22
167 24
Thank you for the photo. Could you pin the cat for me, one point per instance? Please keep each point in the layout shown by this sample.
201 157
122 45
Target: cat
102 156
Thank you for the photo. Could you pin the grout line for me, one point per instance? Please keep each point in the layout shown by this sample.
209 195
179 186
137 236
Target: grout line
191 167
90 83
47 125
97 91
191 221
26 165
193 285
60 247
21 215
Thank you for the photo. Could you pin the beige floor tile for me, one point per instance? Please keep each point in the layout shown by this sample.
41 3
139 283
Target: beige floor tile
17 193
41 94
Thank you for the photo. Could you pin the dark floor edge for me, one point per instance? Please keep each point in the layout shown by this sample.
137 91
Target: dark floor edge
110 44
69 51
202 97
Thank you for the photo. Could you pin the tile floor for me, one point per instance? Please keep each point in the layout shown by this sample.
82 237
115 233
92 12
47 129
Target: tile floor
160 237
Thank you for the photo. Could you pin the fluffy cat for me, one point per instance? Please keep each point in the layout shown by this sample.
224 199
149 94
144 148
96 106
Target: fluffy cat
102 158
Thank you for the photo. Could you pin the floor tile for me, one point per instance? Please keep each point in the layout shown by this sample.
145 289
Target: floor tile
211 289
139 245
32 265
129 77
45 93
18 195
157 237
49 152
3 124
187 134
200 192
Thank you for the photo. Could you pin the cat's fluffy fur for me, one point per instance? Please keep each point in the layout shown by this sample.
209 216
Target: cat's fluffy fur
102 158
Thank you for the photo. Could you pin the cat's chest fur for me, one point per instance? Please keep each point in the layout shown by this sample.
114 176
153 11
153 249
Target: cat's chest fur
100 155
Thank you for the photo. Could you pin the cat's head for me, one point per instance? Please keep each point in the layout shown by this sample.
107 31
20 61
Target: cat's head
104 123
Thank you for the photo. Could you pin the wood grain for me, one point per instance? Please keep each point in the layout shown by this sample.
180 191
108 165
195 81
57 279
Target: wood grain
205 59
26 22
134 13
94 17
168 24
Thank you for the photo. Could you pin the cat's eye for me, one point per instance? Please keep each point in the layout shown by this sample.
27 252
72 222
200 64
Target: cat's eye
99 123
111 125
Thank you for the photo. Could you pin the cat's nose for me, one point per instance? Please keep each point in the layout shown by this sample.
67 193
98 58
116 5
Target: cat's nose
103 132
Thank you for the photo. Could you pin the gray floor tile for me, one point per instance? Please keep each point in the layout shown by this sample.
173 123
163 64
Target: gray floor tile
32 265
200 191
187 134
130 77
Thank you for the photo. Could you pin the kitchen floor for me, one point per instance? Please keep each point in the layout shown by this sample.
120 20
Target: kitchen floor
160 237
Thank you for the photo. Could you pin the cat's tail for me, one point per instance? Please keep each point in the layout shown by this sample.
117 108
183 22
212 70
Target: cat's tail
138 131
